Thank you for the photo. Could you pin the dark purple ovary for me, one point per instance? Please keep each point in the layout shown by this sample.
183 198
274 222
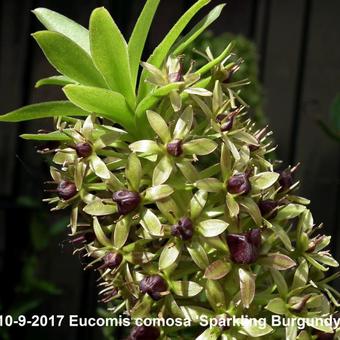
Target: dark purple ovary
83 149
153 285
183 229
239 184
244 248
144 333
66 190
174 148
126 200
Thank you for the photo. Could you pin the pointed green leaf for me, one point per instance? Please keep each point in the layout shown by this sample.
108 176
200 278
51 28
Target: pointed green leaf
110 54
215 295
198 254
325 258
233 207
277 261
188 170
162 171
62 157
283 236
68 58
175 100
315 263
212 227
98 166
56 22
43 110
217 269
121 232
133 172
100 235
245 137
51 136
186 288
204 107
158 192
252 208
145 146
54 80
209 185
198 30
110 104
198 91
291 331
162 50
169 208
264 180
301 275
277 306
184 123
289 211
173 307
151 223
98 208
139 36
169 255
159 125
200 147
197 203
247 287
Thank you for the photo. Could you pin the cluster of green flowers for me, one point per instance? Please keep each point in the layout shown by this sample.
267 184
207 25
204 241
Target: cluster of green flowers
194 220
180 210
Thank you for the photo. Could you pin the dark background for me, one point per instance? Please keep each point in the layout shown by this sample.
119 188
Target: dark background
299 61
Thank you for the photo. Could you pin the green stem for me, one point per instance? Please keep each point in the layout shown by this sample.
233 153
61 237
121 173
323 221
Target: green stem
96 187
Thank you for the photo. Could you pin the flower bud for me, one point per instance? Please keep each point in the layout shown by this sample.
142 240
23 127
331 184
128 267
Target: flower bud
239 184
253 147
254 237
226 120
183 229
111 261
244 248
285 180
83 149
144 333
220 117
324 336
175 69
174 148
314 242
228 125
126 200
66 190
229 75
268 208
297 303
153 285
175 77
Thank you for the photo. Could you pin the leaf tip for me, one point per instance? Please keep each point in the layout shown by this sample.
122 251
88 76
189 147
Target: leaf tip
38 10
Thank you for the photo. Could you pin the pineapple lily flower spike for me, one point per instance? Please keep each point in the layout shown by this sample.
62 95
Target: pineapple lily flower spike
172 195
